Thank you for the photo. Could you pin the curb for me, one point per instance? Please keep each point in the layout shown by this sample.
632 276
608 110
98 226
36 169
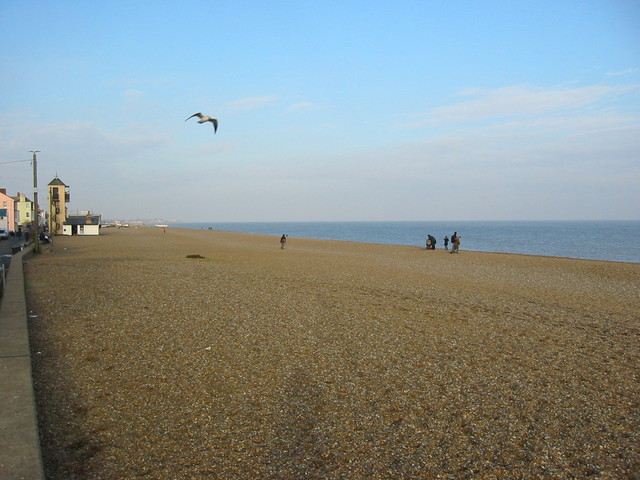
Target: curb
20 454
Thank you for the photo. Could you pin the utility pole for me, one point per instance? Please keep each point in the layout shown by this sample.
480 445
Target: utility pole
36 240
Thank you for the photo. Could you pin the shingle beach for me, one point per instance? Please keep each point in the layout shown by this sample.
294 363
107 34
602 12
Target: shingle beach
329 360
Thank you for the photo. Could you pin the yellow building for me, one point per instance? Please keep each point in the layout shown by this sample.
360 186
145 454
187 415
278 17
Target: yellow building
24 209
58 198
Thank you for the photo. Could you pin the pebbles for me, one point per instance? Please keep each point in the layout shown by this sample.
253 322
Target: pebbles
330 360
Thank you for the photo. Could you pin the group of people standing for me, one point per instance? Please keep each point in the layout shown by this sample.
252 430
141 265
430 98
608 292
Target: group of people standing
456 240
431 242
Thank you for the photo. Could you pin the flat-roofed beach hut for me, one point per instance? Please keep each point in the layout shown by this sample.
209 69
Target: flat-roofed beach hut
87 224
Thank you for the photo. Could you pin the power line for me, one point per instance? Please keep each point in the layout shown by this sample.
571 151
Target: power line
15 161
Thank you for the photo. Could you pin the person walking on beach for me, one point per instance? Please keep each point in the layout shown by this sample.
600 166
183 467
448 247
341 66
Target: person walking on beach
283 241
446 242
453 242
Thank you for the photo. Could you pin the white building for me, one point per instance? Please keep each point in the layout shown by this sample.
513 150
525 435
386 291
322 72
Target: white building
86 224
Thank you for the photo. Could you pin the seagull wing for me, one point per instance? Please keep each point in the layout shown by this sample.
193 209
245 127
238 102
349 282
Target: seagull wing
195 115
215 124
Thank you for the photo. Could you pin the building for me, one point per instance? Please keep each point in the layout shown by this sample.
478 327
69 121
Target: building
85 224
7 204
58 198
4 220
24 211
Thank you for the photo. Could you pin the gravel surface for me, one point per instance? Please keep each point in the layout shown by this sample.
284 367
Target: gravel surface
329 360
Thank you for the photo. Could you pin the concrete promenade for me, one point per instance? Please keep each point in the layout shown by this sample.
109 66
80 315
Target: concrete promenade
20 456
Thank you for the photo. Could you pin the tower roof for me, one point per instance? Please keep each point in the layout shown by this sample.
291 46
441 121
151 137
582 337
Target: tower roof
57 181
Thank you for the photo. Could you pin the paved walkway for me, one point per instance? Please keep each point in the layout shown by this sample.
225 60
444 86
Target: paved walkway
20 456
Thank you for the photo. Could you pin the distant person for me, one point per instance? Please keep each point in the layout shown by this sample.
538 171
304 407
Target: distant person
283 241
431 242
453 242
456 244
446 242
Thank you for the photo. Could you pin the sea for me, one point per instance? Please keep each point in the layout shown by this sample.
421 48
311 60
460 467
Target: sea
615 240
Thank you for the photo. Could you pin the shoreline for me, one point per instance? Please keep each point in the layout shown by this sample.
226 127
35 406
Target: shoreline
416 246
329 359
596 240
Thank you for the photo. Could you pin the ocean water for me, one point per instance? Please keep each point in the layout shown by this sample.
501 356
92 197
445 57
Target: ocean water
596 240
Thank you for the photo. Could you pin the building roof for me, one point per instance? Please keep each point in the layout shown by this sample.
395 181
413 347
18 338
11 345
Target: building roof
17 198
83 220
57 181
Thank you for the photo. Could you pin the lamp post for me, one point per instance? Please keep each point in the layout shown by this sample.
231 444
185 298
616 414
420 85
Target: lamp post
36 240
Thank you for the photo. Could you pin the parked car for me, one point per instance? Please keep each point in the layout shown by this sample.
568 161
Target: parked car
4 235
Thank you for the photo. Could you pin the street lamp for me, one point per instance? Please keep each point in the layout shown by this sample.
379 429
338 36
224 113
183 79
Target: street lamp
36 240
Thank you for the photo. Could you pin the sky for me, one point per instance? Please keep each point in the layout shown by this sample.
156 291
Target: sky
328 111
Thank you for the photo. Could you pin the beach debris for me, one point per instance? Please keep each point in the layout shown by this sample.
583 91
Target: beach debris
204 119
195 255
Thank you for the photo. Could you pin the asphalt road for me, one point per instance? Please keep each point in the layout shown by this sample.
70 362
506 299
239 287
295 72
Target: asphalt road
6 249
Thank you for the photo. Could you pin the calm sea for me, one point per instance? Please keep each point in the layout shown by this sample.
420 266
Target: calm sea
596 240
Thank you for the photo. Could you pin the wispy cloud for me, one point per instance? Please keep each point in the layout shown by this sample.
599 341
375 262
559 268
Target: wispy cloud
518 101
628 71
132 94
252 103
303 106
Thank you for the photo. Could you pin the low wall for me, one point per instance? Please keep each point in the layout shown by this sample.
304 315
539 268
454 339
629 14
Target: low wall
20 456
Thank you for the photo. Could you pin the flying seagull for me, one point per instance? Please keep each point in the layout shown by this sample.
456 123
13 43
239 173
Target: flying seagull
206 118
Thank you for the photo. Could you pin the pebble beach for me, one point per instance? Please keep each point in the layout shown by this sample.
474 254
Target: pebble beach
194 354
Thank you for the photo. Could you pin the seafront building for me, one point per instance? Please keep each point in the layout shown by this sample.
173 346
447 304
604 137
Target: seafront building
7 211
17 214
24 211
84 224
58 198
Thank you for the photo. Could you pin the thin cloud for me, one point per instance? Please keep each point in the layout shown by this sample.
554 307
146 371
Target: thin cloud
628 71
303 106
518 101
132 94
252 103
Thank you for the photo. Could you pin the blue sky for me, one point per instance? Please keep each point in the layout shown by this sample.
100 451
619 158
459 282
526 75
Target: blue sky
335 110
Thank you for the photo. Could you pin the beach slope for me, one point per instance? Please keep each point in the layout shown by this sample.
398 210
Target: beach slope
329 360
